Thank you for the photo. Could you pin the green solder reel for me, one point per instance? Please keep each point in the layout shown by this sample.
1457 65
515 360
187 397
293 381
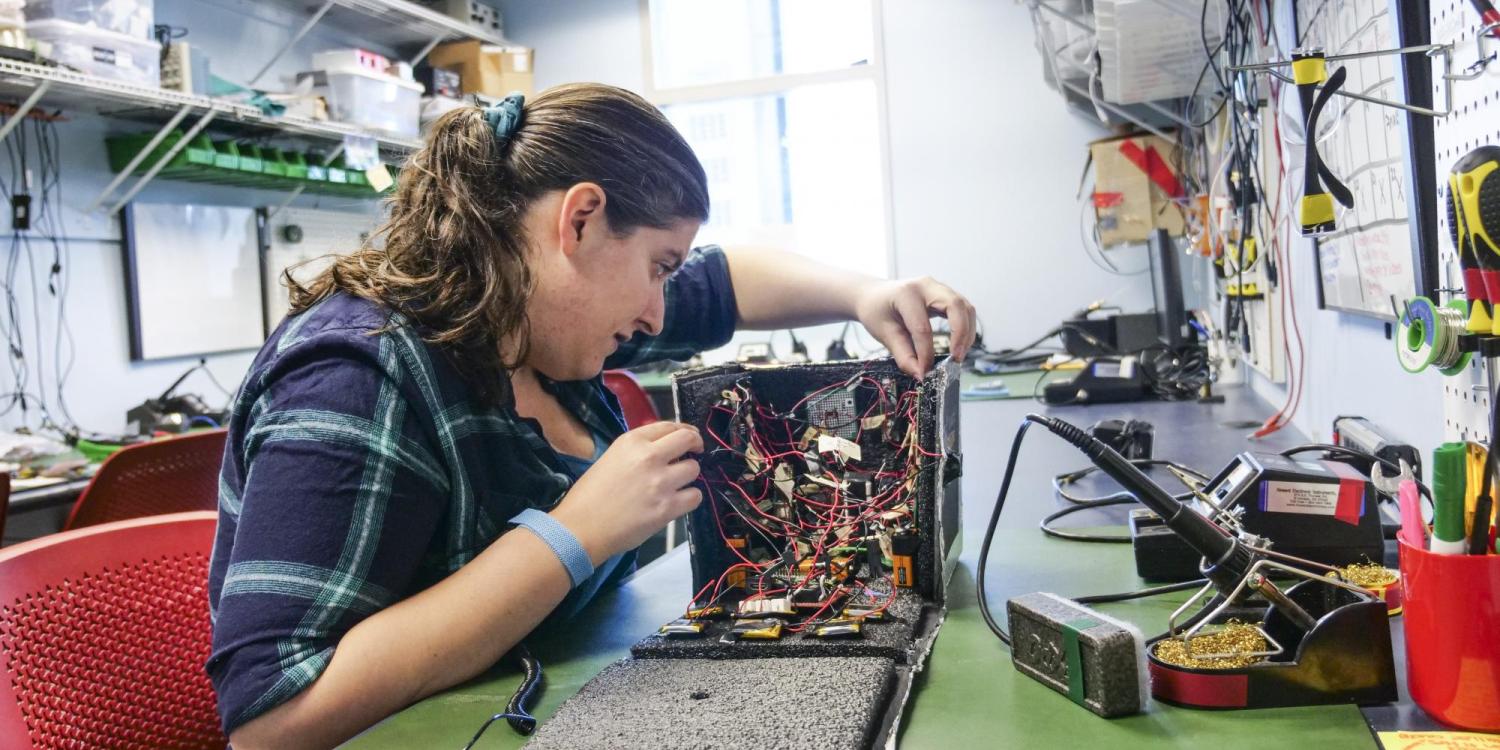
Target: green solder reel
1427 336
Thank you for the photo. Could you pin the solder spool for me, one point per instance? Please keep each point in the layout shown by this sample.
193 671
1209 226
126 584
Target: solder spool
1427 336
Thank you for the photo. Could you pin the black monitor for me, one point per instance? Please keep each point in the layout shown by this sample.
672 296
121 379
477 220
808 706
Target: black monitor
1166 290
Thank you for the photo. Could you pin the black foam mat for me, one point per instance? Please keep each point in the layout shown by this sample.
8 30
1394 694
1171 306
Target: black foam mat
752 704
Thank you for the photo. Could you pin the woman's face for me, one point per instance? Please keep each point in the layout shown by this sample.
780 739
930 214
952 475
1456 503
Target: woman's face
594 288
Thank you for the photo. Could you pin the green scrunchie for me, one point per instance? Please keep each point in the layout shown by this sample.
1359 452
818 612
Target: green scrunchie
505 117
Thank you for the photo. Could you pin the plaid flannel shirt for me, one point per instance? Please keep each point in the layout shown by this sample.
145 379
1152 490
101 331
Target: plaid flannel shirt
360 469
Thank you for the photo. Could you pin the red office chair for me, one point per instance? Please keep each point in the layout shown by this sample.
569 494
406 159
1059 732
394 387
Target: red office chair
4 502
104 632
170 475
633 399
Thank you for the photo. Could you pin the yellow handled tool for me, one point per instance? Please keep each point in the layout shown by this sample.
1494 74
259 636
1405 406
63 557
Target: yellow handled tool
1474 223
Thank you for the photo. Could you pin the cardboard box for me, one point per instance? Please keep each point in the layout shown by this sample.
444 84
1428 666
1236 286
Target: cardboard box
485 69
1132 177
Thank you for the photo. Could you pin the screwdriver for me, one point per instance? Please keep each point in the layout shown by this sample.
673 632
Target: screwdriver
1488 15
1474 218
1478 297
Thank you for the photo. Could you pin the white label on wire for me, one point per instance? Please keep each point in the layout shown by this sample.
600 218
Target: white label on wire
835 444
1307 498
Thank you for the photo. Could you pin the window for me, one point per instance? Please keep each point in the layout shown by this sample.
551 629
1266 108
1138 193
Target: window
782 102
701 42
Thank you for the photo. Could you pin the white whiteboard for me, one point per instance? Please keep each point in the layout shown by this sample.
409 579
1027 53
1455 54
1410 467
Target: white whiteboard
1368 260
324 235
192 279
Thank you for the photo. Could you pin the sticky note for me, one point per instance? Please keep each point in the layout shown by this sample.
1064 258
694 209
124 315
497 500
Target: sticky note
379 177
1404 740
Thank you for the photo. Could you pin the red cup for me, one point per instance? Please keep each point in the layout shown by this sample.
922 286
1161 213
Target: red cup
1452 623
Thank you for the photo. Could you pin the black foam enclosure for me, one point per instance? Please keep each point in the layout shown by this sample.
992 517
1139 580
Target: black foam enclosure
753 704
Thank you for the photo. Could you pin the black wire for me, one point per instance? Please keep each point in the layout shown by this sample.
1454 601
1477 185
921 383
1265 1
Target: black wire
989 534
486 725
518 711
1122 497
1070 477
1176 373
522 701
1143 593
1075 536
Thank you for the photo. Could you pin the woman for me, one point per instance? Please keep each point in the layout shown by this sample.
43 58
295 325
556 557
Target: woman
430 395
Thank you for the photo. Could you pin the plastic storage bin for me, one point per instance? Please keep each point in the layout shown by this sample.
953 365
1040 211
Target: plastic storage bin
133 18
101 53
378 102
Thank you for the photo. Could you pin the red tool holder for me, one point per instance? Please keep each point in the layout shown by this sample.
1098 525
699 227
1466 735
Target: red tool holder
1452 621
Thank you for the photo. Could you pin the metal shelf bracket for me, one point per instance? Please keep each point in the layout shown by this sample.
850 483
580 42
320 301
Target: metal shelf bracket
140 156
290 43
24 109
161 163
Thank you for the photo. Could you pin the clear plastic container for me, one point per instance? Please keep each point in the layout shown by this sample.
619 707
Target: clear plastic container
372 100
101 53
129 17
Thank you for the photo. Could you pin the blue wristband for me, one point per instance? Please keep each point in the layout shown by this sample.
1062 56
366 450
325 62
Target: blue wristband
562 542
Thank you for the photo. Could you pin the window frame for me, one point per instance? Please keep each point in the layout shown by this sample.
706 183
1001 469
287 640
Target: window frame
873 71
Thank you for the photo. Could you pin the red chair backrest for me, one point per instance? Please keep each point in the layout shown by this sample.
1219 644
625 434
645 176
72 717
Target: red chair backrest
104 632
171 475
4 502
633 399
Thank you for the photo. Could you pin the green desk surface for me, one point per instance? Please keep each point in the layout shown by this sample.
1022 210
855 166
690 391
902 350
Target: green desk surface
969 695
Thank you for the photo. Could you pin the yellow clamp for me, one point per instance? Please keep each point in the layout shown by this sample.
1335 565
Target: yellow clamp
1246 253
1251 289
1310 70
1315 210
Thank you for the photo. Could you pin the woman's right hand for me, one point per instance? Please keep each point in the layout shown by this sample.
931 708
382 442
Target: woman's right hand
642 482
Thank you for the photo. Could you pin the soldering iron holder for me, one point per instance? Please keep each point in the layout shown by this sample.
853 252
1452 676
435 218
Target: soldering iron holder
1345 658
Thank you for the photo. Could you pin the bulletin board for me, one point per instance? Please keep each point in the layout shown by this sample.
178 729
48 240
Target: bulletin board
304 241
192 279
1375 257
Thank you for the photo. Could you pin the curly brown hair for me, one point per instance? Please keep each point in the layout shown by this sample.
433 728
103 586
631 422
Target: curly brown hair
453 258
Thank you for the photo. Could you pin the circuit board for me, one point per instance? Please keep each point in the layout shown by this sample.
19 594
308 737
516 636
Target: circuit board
822 486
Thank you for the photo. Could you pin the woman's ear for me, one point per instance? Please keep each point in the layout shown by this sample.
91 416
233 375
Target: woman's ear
581 214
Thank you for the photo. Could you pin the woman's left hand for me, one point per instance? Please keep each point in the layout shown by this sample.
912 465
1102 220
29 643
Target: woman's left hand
898 314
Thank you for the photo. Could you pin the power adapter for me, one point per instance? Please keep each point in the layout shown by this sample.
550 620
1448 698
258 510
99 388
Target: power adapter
20 212
1095 660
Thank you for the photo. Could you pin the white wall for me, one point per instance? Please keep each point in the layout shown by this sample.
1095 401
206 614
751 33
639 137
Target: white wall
985 159
239 36
985 165
1351 370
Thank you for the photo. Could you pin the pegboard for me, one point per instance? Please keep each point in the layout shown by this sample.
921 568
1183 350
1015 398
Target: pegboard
1368 261
323 235
1474 121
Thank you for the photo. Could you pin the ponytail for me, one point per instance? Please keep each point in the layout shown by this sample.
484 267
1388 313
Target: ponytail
453 257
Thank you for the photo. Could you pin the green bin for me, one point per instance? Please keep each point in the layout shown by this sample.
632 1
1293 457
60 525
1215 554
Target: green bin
192 162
